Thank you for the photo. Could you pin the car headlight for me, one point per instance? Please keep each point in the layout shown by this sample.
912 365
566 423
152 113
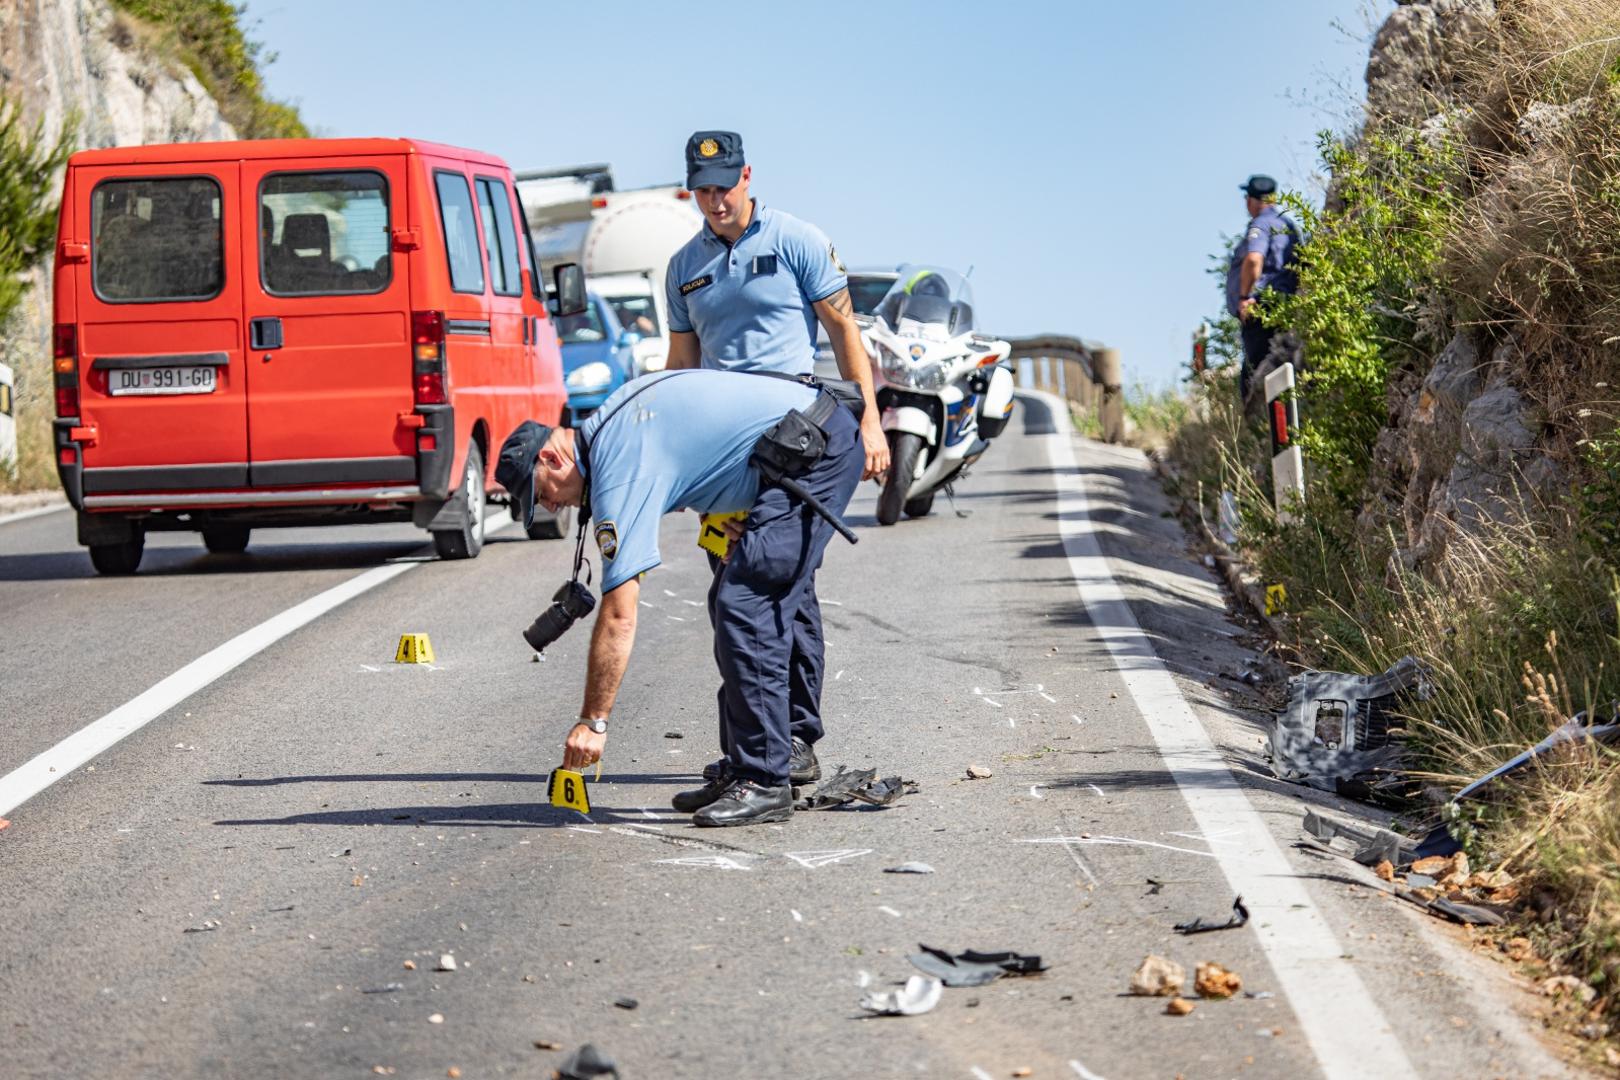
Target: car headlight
587 377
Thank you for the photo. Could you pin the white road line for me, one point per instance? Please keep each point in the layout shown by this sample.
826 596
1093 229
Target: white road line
1348 1033
1082 1072
40 511
32 777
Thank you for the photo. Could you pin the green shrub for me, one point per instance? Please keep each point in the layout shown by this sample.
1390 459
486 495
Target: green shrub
30 190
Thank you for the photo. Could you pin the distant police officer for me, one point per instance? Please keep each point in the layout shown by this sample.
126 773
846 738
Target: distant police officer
1263 259
685 439
744 295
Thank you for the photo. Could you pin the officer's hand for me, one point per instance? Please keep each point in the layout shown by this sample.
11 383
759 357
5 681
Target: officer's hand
877 447
584 747
1245 308
734 529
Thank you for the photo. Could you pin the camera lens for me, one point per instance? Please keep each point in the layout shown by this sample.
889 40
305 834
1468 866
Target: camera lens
572 602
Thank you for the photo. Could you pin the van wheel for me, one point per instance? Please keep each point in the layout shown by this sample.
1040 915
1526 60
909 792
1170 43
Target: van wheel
467 541
558 526
902 471
921 506
226 539
119 560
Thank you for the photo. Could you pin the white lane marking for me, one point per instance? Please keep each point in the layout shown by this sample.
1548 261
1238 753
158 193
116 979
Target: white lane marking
1348 1033
38 511
34 776
1082 1072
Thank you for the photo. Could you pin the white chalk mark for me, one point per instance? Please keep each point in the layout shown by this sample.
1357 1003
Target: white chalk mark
645 604
1206 839
369 667
838 676
648 813
676 618
1011 722
1048 697
887 910
980 1074
834 603
691 603
1115 841
1082 1072
1097 789
1076 717
812 859
987 701
667 592
976 690
1349 1035
1035 791
863 979
581 828
796 916
710 862
1081 863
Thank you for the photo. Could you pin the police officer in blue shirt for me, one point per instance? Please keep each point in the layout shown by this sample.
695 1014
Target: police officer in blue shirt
1263 259
686 439
745 294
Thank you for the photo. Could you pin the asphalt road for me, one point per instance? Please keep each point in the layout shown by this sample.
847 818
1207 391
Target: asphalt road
235 888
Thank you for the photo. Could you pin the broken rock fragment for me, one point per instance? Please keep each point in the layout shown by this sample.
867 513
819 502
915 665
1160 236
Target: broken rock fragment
446 963
1158 977
978 772
1178 1006
1214 981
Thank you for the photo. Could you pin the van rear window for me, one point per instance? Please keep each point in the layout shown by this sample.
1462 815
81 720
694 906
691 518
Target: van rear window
157 239
460 232
324 234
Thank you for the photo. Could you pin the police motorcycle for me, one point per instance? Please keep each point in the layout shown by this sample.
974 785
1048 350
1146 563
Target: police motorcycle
944 390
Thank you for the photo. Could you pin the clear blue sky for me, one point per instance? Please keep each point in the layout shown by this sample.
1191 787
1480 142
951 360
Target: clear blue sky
1083 157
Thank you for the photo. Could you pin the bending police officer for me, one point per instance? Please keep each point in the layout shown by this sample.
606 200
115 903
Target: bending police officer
686 440
745 294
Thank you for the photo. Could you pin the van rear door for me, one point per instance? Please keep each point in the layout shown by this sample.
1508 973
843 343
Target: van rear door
328 323
160 328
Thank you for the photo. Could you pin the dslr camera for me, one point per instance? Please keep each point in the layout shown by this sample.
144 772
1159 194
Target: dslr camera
571 603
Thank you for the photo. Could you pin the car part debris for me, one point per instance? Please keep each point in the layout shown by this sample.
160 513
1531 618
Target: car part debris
910 868
1200 925
587 1063
973 968
626 1002
919 995
1213 981
1259 995
388 988
1371 846
446 963
1335 732
855 785
206 927
1179 1006
1158 977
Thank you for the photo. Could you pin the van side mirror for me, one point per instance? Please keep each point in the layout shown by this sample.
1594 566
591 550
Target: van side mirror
567 294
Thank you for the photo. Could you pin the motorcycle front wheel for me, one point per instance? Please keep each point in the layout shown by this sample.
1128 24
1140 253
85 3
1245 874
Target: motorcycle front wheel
903 451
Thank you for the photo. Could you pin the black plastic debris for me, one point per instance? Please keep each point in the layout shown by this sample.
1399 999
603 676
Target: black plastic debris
1602 727
626 1002
587 1063
855 785
1201 925
673 735
1337 731
973 968
910 868
1467 914
1371 846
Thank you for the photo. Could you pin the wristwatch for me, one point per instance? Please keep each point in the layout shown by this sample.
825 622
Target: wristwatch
598 725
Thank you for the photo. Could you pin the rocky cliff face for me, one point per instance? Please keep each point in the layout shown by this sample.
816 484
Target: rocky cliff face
79 58
1461 449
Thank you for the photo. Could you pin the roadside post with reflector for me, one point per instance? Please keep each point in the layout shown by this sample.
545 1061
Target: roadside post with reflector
1287 466
8 421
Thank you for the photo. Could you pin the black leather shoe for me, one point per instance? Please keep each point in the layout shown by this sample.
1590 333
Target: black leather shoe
697 798
802 765
803 768
746 803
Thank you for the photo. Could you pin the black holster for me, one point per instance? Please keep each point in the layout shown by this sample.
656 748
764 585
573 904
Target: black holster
792 447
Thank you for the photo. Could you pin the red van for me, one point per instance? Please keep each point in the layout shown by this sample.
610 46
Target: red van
295 332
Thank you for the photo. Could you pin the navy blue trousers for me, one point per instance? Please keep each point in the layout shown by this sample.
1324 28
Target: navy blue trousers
767 624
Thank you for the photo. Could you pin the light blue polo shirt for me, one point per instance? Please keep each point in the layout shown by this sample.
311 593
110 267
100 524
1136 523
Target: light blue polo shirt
682 442
749 303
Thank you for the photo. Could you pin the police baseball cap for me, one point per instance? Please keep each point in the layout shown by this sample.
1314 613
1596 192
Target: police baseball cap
714 159
515 468
1258 187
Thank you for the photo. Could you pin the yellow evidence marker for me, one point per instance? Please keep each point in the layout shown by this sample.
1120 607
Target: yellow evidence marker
567 788
414 649
712 538
1276 598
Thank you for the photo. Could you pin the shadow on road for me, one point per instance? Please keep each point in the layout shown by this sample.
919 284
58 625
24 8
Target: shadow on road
179 562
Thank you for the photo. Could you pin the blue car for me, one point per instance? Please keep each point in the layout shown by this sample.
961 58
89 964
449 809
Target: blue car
596 356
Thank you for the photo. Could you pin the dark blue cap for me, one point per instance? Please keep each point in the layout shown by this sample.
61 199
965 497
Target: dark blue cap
514 471
714 159
1259 187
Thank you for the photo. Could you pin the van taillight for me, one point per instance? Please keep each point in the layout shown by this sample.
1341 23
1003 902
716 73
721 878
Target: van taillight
427 357
65 361
598 203
682 193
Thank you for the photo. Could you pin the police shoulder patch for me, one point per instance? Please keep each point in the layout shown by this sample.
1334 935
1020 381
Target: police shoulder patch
832 253
607 539
1254 234
696 283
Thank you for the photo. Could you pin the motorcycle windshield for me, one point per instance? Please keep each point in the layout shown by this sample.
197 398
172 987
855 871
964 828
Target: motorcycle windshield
930 301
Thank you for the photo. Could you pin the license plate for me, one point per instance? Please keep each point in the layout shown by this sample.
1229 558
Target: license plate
160 380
